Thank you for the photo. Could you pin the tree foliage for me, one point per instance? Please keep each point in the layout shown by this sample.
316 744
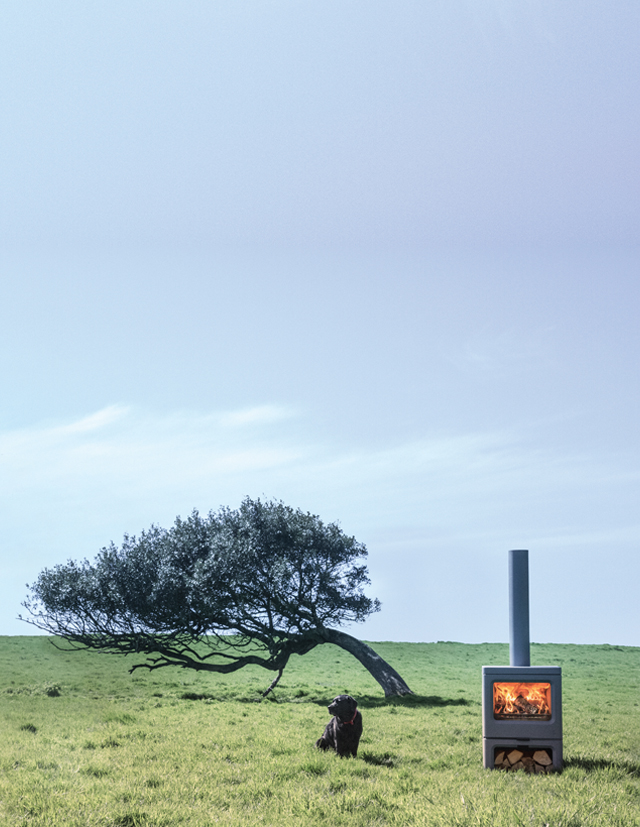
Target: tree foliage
248 586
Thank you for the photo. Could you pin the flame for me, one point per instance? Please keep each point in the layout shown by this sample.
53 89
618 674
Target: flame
522 700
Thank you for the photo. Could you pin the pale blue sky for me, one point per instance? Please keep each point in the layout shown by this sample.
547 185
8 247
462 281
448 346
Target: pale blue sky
376 259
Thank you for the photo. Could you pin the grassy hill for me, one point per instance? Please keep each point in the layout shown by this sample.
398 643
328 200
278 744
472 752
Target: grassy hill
86 743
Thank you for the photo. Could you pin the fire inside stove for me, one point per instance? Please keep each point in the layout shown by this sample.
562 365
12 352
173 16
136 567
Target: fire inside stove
522 701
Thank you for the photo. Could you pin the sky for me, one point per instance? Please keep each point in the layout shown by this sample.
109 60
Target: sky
379 260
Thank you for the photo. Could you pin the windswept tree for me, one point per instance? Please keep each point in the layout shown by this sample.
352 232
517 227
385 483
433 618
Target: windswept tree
238 587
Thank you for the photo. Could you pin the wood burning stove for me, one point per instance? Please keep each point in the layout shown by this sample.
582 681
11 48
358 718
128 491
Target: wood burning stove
521 704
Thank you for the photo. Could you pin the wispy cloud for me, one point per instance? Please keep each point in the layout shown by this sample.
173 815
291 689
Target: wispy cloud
130 448
501 352
259 415
447 484
94 422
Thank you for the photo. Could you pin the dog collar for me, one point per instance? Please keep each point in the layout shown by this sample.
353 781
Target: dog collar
352 720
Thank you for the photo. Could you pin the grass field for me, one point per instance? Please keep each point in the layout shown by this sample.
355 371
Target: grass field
86 743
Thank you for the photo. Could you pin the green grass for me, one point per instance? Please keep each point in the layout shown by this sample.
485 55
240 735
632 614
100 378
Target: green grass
85 743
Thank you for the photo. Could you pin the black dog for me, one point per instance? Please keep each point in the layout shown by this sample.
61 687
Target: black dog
343 731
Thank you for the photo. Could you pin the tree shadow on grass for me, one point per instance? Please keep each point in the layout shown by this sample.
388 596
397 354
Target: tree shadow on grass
197 696
375 701
592 764
364 701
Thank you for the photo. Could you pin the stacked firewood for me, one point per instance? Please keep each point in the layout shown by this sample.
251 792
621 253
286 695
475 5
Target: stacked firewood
529 760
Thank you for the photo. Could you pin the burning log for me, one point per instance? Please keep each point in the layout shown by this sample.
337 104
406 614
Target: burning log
523 706
512 699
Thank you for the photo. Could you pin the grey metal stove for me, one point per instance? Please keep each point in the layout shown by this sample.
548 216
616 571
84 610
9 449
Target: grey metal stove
521 704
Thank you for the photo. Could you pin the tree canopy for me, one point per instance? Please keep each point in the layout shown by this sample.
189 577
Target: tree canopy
237 587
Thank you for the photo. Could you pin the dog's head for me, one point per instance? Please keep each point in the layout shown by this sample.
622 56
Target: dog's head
343 707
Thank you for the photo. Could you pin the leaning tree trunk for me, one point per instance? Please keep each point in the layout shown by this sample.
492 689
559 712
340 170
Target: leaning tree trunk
386 676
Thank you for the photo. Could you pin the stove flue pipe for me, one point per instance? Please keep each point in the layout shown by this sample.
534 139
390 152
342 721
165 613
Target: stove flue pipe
519 608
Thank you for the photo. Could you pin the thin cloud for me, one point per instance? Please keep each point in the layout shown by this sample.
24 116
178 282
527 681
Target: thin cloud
122 446
93 422
259 415
459 485
507 351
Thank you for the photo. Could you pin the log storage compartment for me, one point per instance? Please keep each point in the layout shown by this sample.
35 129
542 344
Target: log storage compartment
536 761
521 704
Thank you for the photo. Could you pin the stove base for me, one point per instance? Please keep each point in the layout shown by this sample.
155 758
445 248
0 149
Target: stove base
490 745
